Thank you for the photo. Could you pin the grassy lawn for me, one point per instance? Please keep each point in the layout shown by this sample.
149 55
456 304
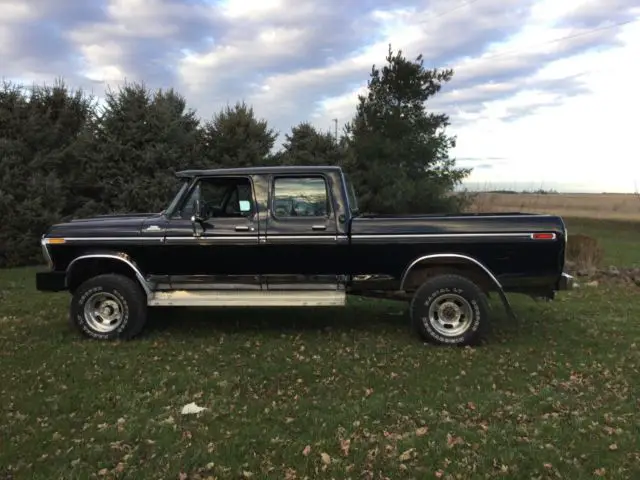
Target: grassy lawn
620 239
346 393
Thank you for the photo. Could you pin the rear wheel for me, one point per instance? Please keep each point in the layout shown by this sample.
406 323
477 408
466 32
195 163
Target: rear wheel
450 310
109 307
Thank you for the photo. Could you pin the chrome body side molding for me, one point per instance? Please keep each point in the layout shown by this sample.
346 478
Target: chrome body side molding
236 298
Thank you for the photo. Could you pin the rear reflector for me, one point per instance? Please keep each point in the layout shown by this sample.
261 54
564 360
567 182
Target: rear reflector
543 236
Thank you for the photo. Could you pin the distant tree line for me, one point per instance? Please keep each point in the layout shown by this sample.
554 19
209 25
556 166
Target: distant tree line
62 155
539 191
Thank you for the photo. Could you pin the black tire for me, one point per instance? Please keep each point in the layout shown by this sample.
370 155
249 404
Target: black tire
471 301
121 295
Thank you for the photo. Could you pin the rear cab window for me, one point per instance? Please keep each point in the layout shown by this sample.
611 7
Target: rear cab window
295 197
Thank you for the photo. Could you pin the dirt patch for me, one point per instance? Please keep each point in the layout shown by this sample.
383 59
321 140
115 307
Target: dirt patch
611 274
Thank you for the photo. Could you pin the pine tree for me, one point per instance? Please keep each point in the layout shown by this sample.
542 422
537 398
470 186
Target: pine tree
398 151
39 128
306 146
236 138
137 144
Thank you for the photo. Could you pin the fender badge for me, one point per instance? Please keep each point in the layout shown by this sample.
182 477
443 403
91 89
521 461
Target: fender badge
152 228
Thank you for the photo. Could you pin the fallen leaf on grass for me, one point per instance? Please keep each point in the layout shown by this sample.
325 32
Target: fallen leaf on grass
290 474
344 446
326 459
421 431
307 450
406 455
452 440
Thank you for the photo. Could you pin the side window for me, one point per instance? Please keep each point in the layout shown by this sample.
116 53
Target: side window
220 197
300 197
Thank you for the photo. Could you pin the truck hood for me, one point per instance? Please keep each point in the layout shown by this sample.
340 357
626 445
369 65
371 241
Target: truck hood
115 225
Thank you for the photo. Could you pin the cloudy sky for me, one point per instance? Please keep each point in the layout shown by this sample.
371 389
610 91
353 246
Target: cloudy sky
545 92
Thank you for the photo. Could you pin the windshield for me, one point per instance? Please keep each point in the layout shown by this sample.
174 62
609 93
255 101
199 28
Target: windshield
174 203
353 199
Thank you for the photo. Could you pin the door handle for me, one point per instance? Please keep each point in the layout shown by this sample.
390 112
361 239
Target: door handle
242 228
319 227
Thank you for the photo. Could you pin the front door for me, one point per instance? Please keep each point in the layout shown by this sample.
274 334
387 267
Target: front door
221 250
301 237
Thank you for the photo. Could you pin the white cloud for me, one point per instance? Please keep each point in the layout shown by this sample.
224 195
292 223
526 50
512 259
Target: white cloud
584 139
588 139
13 11
250 9
201 70
550 110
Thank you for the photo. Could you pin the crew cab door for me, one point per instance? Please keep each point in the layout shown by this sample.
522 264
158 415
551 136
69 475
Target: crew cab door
301 234
221 251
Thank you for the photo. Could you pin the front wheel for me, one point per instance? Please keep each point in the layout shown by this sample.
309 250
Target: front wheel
109 307
450 310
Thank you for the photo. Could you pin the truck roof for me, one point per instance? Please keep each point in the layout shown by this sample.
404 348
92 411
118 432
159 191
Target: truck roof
258 170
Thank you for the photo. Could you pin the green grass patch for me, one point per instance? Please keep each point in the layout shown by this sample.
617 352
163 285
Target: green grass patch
337 393
620 239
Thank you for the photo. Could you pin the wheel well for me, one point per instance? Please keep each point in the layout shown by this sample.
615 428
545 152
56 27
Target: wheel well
422 271
87 268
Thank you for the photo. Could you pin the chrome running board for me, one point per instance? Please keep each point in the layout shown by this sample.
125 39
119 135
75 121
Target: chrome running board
219 298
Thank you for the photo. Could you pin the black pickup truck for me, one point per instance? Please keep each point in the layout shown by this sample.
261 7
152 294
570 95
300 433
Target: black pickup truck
293 236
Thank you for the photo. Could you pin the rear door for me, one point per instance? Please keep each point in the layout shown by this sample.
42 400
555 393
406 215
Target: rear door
301 234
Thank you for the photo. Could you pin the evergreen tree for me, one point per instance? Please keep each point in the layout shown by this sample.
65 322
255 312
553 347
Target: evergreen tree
137 144
306 146
398 151
236 138
39 128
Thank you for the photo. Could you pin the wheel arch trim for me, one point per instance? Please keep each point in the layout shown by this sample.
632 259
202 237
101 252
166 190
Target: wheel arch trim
457 256
121 257
466 259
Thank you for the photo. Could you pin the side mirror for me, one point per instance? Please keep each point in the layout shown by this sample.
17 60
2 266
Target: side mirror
197 219
198 214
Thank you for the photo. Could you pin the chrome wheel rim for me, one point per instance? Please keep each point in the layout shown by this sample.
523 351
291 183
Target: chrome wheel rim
450 315
103 312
